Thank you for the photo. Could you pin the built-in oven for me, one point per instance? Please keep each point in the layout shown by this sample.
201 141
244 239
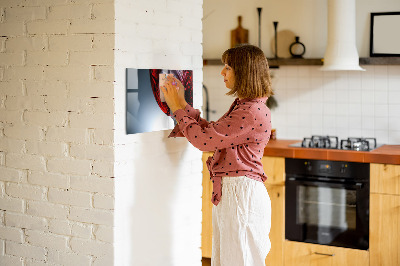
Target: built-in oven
327 202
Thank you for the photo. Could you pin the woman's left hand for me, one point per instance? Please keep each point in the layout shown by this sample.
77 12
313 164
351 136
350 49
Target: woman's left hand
171 95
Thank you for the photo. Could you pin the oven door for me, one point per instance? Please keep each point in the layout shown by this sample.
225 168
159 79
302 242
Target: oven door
327 213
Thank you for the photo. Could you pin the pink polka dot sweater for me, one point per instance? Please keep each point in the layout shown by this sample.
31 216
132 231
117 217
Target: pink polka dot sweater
238 139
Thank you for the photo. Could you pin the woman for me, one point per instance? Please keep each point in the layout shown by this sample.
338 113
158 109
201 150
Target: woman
242 208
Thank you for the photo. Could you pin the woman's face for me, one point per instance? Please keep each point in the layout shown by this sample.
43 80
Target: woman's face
229 76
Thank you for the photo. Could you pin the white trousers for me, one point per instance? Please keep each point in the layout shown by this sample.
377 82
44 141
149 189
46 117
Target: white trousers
241 223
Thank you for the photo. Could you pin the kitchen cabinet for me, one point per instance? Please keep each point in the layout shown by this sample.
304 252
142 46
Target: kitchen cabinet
305 254
274 168
206 225
385 214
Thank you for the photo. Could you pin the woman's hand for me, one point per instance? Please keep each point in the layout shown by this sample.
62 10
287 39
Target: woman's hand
174 94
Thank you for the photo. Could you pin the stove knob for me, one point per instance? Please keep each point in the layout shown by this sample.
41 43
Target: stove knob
343 168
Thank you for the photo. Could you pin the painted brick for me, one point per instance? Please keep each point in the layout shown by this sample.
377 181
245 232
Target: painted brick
103 41
25 161
91 89
56 103
11 59
46 88
93 184
92 151
103 202
91 26
91 58
12 204
23 73
71 42
12 234
104 169
32 262
11 29
21 43
101 136
104 73
70 12
69 166
99 120
103 11
46 209
69 197
105 260
60 227
56 149
25 191
25 221
11 260
12 117
3 44
95 216
24 132
25 250
24 13
74 135
2 214
104 233
91 247
44 27
46 118
25 103
46 240
82 230
68 258
12 145
46 58
81 73
48 179
45 2
11 88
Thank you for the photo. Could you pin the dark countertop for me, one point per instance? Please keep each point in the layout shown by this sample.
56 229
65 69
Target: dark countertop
389 154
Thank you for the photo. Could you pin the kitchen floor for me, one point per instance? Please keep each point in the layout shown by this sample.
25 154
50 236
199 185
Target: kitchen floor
206 261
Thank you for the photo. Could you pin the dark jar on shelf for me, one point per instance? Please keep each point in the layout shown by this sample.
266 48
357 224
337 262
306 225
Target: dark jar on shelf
297 49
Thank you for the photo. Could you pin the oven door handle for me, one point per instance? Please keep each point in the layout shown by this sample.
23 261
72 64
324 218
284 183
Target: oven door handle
357 185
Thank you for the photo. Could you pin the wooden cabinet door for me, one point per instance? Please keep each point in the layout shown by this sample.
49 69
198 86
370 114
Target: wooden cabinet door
304 254
206 226
274 168
385 178
384 236
277 233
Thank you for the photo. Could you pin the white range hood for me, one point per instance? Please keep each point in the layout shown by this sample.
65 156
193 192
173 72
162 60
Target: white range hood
341 51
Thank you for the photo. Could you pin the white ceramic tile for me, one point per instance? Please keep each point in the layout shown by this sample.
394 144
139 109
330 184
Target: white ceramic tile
381 71
394 97
342 122
382 123
367 96
394 110
382 110
292 82
381 97
394 123
355 122
382 136
291 71
355 96
329 109
368 110
394 137
355 109
394 83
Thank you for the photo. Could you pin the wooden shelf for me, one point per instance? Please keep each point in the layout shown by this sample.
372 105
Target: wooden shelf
274 63
380 61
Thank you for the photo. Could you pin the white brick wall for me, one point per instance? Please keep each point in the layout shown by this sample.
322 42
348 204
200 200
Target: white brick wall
156 178
56 132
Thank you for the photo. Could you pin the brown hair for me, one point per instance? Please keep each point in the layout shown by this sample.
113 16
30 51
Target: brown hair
250 66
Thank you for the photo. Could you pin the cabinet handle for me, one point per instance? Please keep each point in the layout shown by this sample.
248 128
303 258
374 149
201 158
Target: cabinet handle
324 254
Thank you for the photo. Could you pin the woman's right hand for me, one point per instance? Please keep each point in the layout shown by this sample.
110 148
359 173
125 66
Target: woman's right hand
181 90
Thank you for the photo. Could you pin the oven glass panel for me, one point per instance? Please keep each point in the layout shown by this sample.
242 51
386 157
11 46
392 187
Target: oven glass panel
326 207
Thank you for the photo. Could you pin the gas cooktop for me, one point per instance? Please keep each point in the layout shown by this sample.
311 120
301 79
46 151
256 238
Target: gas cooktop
332 142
